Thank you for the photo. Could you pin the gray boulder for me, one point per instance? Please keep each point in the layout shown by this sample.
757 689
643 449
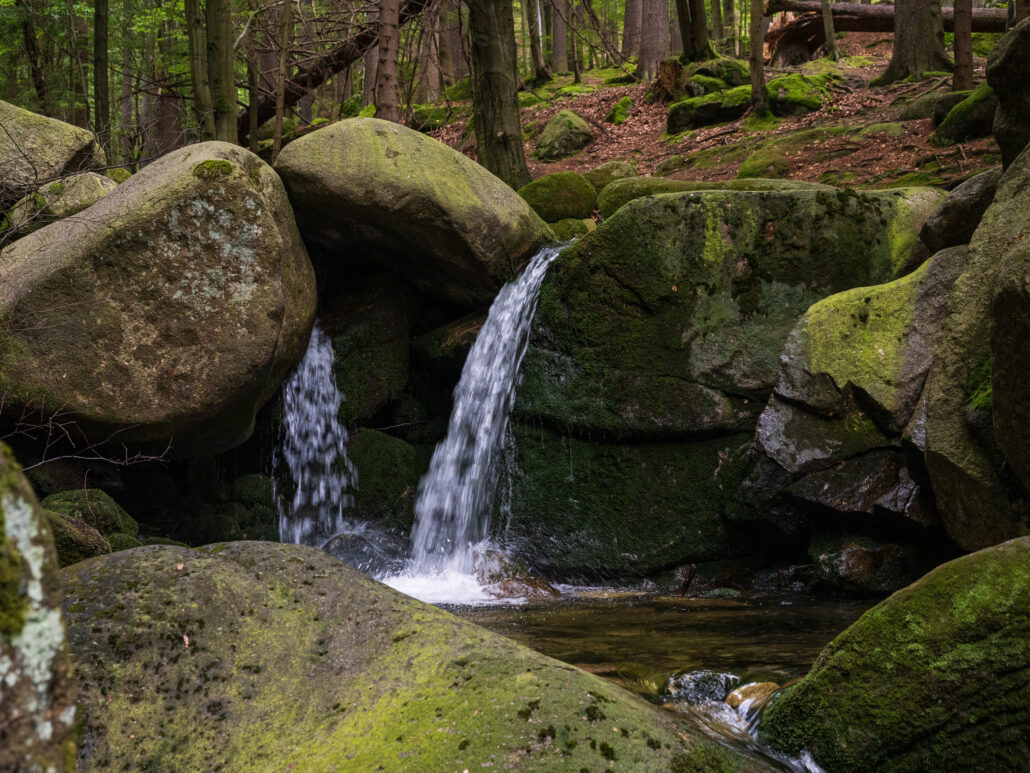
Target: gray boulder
1008 73
57 200
564 134
956 218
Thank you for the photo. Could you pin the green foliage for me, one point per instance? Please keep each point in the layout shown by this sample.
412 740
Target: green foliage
981 393
368 111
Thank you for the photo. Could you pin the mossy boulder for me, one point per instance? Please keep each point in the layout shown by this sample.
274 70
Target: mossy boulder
608 172
955 219
773 157
797 94
718 107
38 697
863 565
35 149
292 659
924 106
368 192
731 71
254 490
190 272
1008 74
96 508
980 500
57 200
971 118
564 134
627 189
389 470
572 228
938 675
620 111
74 539
444 349
561 195
698 85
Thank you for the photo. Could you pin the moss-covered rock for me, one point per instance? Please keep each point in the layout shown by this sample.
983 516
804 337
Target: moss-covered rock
564 134
123 542
35 149
924 106
57 200
191 272
96 508
955 219
38 697
444 349
698 85
254 490
1008 73
861 564
718 107
74 539
561 195
627 189
249 655
938 675
608 172
620 111
367 191
389 470
774 156
572 228
797 94
731 71
980 500
971 118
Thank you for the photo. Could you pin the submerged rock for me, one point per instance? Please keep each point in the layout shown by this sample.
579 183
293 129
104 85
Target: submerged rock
189 273
1008 73
372 192
937 676
37 700
249 655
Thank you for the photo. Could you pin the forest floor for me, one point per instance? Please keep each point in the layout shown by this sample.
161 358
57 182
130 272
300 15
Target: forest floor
887 153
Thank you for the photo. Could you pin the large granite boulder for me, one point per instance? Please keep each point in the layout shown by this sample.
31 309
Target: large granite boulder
57 200
35 149
937 677
971 118
564 134
979 498
37 698
371 192
167 312
1008 73
560 196
250 656
955 219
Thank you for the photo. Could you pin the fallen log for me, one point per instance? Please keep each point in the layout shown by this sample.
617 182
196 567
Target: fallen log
798 39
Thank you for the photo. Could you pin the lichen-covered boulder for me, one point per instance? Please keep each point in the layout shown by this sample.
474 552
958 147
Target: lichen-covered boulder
720 106
608 172
1008 73
372 192
698 85
935 677
247 656
96 508
74 539
560 196
564 134
35 149
956 218
168 311
971 118
980 500
57 200
37 700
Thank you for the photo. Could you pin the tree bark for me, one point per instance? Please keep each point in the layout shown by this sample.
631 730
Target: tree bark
253 95
536 52
221 75
654 36
32 53
831 36
729 17
963 77
758 106
386 70
918 42
717 31
702 43
631 29
202 106
101 76
285 30
495 103
560 37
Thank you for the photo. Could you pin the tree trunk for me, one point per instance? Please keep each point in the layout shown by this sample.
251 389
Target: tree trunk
757 65
701 41
386 71
285 29
495 91
631 29
918 42
729 16
540 72
963 78
683 24
429 58
831 36
560 37
368 77
654 36
717 31
253 96
79 63
101 76
202 106
128 143
221 75
32 53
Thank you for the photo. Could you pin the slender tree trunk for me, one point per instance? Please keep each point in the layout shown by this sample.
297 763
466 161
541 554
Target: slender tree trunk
79 66
101 76
831 37
369 72
429 57
253 96
963 78
717 31
221 74
495 90
285 30
560 44
127 132
540 72
757 65
729 18
32 52
675 34
918 42
684 25
631 29
202 106
386 71
702 42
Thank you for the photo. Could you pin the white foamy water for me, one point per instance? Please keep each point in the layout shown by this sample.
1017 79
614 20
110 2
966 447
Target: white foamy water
456 494
314 450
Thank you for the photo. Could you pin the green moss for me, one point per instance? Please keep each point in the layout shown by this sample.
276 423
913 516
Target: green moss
890 129
94 507
620 111
774 157
971 118
74 539
213 167
368 111
13 602
118 174
460 90
560 195
981 393
253 490
699 85
733 72
528 99
571 228
427 118
797 94
389 470
123 542
707 757
564 134
610 171
709 109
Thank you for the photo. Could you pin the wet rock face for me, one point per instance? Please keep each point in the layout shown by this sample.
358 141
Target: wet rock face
247 655
1008 73
938 671
371 193
190 273
37 700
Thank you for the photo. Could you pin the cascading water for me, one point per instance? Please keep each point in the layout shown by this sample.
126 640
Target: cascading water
456 494
314 450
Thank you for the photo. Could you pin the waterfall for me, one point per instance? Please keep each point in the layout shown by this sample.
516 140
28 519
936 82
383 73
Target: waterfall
314 449
456 494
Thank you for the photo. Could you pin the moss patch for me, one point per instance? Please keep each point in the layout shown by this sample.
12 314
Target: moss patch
561 195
